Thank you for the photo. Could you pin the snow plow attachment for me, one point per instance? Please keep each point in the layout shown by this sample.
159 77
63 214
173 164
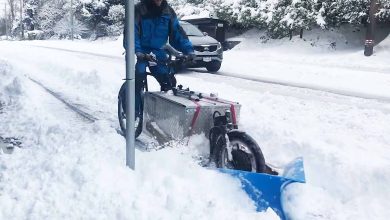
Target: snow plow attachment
266 190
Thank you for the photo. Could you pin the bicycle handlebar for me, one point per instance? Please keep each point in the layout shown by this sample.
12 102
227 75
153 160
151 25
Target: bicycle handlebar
180 59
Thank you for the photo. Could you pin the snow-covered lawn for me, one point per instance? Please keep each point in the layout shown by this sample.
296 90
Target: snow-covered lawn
71 168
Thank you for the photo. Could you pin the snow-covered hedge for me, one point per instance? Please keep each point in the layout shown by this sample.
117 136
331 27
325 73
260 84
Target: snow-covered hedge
280 17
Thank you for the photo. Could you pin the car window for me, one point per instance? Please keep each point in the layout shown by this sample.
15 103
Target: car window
191 30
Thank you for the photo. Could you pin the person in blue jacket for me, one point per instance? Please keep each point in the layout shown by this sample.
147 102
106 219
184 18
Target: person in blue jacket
156 23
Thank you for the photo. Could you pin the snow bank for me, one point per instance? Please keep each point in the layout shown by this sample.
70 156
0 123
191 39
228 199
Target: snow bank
69 169
9 84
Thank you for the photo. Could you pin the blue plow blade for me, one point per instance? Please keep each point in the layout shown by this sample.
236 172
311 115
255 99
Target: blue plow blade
266 190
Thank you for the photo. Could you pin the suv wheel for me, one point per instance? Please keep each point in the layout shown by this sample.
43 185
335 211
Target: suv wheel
213 66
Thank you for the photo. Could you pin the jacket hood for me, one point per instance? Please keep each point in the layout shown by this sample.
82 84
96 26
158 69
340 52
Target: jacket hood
153 8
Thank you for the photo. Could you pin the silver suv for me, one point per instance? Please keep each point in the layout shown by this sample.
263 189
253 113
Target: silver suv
208 51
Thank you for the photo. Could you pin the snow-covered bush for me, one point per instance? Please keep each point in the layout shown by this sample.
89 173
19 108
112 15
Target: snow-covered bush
281 17
384 11
103 17
116 18
116 14
64 28
114 30
48 16
35 35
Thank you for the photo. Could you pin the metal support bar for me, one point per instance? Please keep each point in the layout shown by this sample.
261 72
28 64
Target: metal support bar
130 85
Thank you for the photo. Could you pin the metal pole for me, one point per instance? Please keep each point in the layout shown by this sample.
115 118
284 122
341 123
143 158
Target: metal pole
21 20
71 19
370 35
130 85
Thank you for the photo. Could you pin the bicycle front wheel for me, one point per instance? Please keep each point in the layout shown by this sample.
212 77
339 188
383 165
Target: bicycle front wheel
122 113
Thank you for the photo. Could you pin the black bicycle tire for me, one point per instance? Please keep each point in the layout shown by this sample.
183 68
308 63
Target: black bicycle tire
250 143
138 129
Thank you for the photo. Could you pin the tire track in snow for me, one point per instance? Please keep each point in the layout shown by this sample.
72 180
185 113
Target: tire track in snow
71 106
81 52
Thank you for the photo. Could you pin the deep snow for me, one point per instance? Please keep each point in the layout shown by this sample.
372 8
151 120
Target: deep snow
71 168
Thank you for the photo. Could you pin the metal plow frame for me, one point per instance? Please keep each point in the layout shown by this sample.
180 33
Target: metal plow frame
266 190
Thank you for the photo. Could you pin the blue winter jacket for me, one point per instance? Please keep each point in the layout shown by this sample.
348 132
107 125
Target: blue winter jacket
153 32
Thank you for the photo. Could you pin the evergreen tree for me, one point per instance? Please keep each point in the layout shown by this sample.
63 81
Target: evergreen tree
384 11
64 28
276 20
116 17
299 15
95 15
278 17
48 16
337 12
226 11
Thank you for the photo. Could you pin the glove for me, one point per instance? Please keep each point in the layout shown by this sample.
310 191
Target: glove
140 56
145 57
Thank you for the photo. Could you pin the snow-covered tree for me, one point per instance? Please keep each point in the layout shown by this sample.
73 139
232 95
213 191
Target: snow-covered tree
95 14
299 15
12 9
116 17
354 11
227 11
333 13
383 14
278 17
64 28
251 13
2 26
48 16
116 14
30 15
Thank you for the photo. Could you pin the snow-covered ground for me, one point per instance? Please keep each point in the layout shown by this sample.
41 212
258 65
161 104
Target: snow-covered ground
70 167
332 62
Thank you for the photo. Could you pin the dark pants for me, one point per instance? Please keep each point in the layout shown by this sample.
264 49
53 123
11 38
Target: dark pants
160 72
